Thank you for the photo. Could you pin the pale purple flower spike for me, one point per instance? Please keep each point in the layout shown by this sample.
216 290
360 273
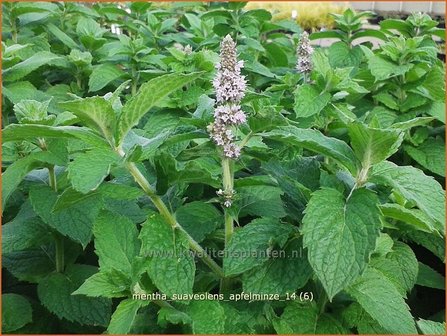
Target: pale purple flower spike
304 54
230 86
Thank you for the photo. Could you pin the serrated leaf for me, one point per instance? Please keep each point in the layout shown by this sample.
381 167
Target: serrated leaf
340 235
148 96
120 191
260 200
309 101
199 219
61 36
87 171
96 113
356 316
16 312
430 154
20 235
208 317
384 245
286 273
382 69
381 300
70 197
124 316
169 263
15 132
249 245
434 244
34 264
109 284
342 55
428 277
172 315
75 221
413 217
22 69
428 327
299 318
315 141
116 242
102 75
415 186
400 266
55 294
373 145
15 173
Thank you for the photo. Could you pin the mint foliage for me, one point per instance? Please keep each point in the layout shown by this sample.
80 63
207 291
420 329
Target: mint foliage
216 168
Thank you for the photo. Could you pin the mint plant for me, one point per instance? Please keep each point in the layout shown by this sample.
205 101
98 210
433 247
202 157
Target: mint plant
195 168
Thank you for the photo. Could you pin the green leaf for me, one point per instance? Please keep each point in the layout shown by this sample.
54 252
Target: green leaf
15 132
124 316
400 266
75 221
415 186
87 171
169 263
24 68
33 112
34 264
305 318
380 299
342 55
259 200
172 315
70 197
384 245
249 245
199 219
373 145
428 277
356 316
148 96
116 242
285 272
309 101
382 69
413 217
437 110
120 191
208 317
96 113
340 235
434 244
406 125
15 173
102 75
55 293
315 141
428 327
61 36
111 284
16 312
20 235
430 154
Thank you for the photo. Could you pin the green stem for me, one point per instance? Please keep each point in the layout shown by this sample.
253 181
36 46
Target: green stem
164 211
134 81
59 240
246 139
228 183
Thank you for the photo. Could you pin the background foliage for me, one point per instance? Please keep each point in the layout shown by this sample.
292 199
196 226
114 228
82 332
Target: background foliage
346 167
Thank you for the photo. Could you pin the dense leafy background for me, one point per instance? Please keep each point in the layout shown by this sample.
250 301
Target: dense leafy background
348 168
